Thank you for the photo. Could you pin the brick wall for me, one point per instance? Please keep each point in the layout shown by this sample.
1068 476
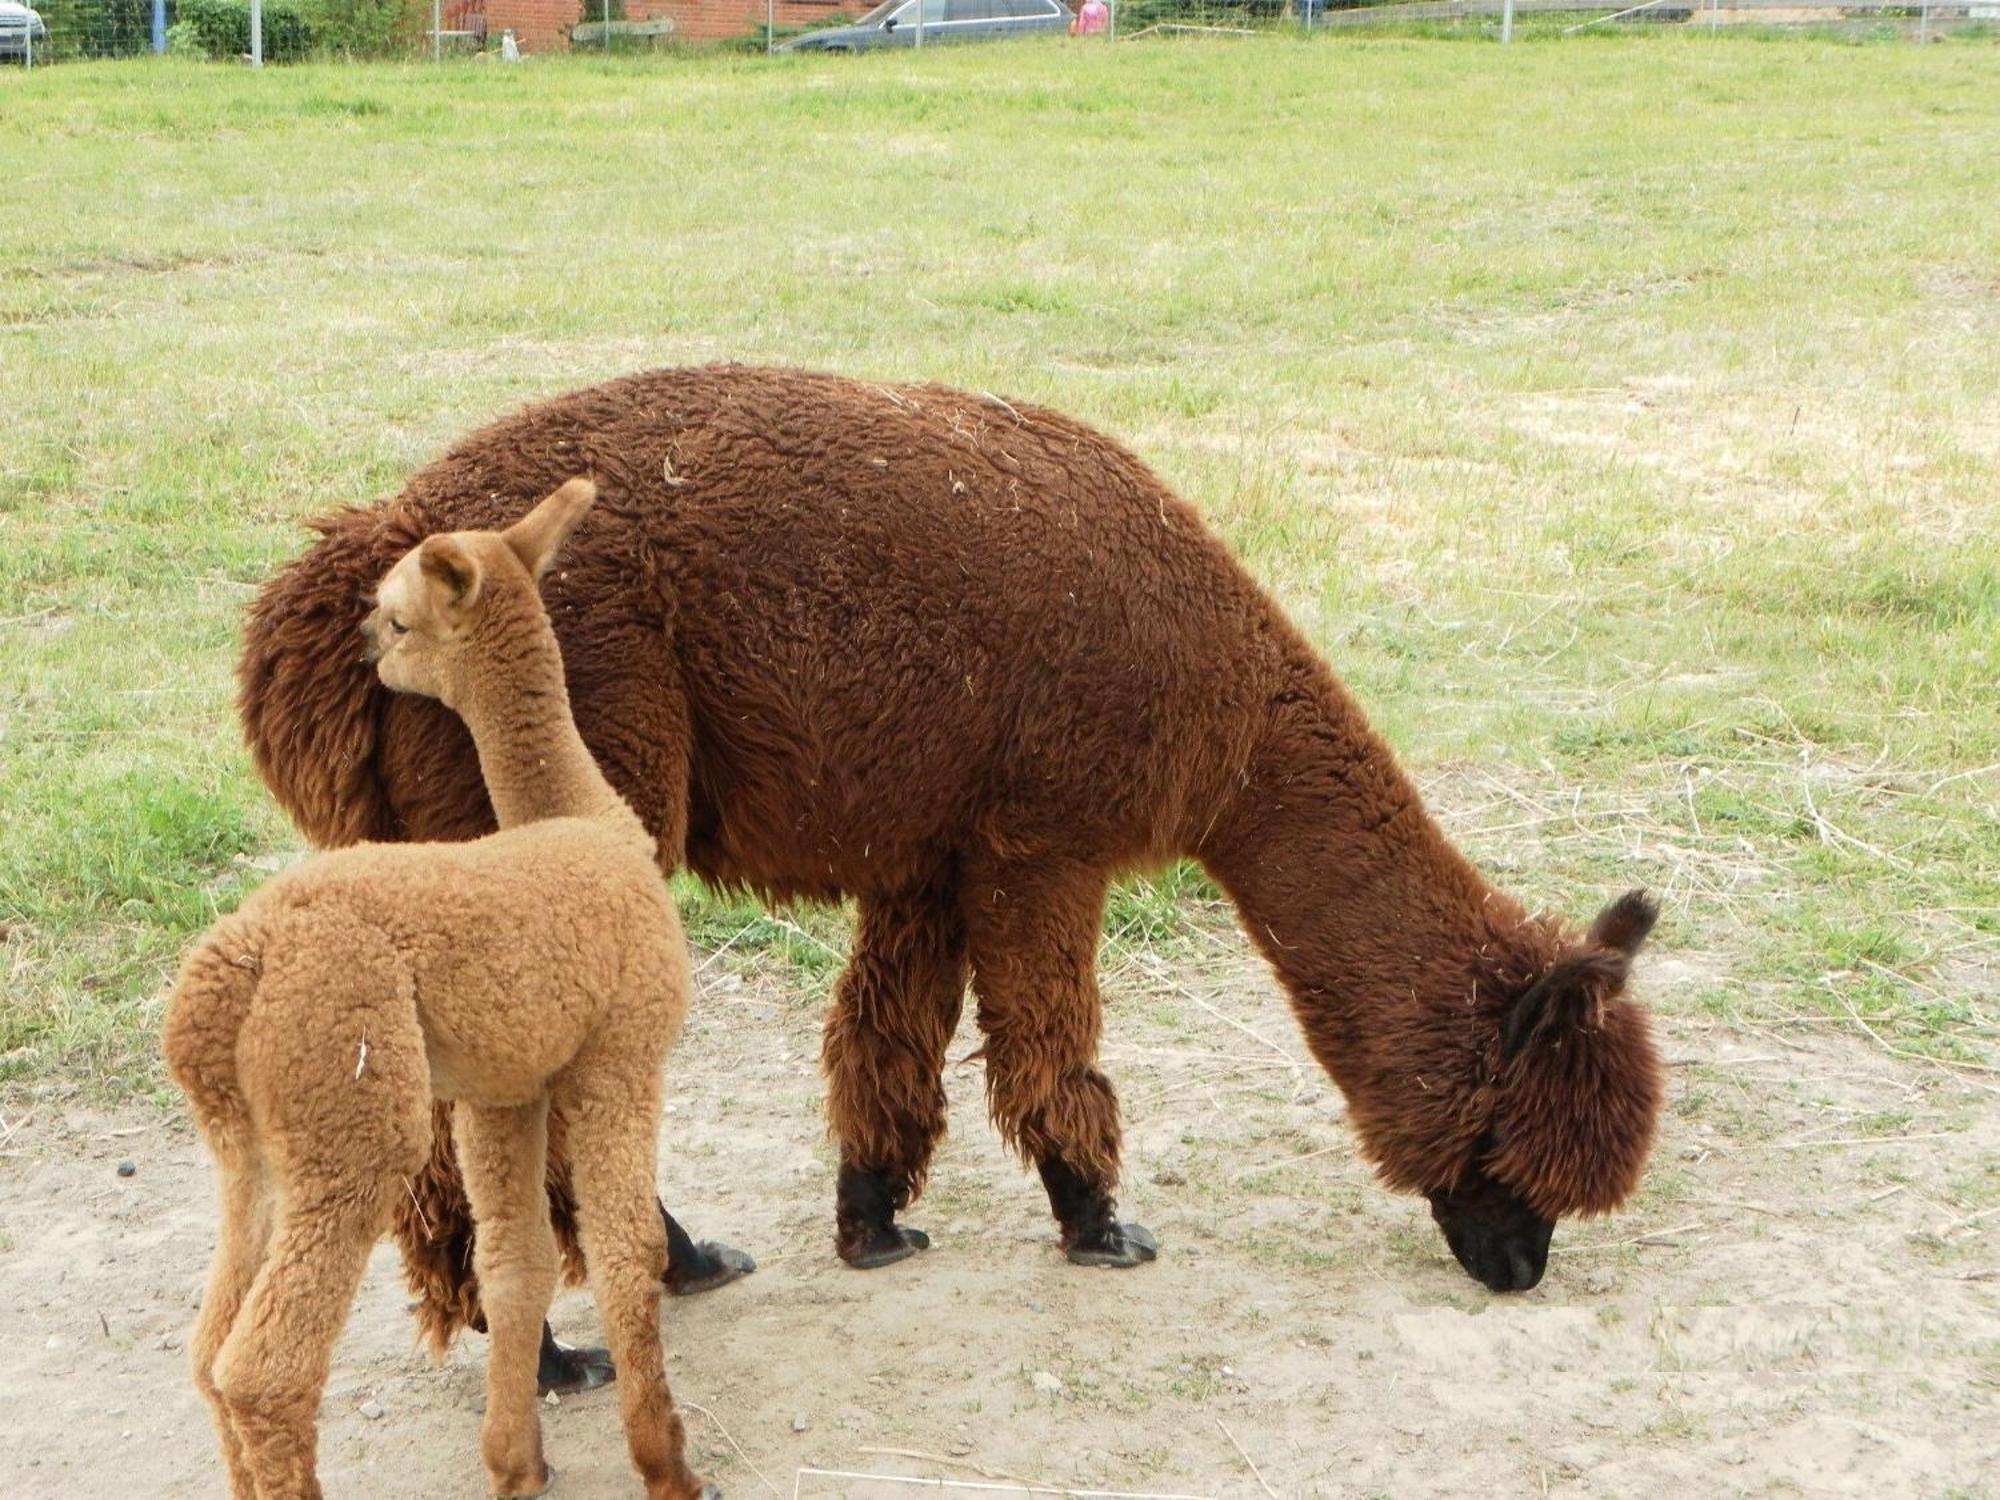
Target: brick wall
537 25
707 20
543 25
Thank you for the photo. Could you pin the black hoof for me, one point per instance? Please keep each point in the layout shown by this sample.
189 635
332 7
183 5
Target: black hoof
570 1372
711 1266
884 1247
1124 1245
711 1492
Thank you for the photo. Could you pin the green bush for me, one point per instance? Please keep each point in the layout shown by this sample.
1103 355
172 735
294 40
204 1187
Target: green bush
221 28
1136 15
96 28
363 28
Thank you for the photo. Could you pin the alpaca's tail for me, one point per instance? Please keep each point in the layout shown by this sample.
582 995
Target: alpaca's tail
205 1016
311 706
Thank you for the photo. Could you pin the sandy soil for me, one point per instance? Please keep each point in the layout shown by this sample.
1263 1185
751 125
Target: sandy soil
1804 1301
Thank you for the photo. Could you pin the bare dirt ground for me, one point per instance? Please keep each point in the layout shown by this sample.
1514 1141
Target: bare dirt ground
1804 1301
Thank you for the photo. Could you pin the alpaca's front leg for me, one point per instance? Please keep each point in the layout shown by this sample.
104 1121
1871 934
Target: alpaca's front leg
1032 933
894 1010
434 1230
501 1152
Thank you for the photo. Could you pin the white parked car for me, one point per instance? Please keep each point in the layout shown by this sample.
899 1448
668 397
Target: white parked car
893 23
19 26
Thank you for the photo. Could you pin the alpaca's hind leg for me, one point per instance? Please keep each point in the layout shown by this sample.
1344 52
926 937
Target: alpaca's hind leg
333 1069
273 1366
502 1152
894 1011
1033 933
611 1098
245 1237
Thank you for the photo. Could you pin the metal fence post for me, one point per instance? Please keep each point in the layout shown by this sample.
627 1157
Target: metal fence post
256 33
437 30
1507 21
770 27
159 25
607 26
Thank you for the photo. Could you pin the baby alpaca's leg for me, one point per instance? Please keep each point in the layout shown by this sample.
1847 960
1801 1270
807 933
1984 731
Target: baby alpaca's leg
272 1368
244 1239
612 1099
501 1152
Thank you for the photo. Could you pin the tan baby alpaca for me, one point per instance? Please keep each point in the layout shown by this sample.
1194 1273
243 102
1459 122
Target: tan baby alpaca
312 1029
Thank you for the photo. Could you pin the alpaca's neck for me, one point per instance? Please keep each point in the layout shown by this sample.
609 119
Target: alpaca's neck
1372 919
516 704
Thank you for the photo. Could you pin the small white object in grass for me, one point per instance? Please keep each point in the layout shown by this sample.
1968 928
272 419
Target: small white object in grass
1047 1384
371 1410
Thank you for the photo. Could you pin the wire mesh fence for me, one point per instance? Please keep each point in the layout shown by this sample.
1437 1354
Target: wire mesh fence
57 30
54 31
261 31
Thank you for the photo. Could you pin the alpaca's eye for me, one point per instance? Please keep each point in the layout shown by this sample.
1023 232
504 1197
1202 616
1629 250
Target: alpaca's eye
399 627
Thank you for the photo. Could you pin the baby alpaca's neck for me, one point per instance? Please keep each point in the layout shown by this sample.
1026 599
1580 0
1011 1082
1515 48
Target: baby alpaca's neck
516 704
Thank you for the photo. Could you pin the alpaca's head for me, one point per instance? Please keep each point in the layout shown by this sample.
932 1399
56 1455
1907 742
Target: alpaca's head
436 608
1576 1097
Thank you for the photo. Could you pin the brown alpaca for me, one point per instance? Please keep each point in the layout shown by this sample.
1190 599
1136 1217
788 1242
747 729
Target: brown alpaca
964 661
540 967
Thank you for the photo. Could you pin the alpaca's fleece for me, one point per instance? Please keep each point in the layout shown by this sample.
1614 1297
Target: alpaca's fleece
501 941
961 660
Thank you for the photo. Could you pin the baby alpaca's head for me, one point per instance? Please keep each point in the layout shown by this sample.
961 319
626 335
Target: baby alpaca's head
429 607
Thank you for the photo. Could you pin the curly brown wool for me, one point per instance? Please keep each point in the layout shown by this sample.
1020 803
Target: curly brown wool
964 660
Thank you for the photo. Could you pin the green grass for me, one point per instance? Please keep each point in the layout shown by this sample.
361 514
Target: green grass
1622 416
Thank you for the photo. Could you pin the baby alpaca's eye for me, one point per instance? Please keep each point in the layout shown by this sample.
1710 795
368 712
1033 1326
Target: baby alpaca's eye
399 627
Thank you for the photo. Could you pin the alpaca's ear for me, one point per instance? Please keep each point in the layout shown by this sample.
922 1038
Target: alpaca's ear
451 571
1622 926
539 535
1567 999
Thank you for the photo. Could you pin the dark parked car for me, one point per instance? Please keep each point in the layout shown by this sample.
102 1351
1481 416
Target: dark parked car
894 24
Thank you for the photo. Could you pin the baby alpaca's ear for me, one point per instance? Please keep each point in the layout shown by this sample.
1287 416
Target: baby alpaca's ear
539 535
452 574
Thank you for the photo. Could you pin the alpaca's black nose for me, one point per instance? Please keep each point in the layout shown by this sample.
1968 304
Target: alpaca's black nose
1502 1258
1501 1262
1524 1266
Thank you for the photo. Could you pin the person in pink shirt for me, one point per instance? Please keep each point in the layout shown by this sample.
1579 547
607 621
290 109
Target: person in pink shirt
1091 19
